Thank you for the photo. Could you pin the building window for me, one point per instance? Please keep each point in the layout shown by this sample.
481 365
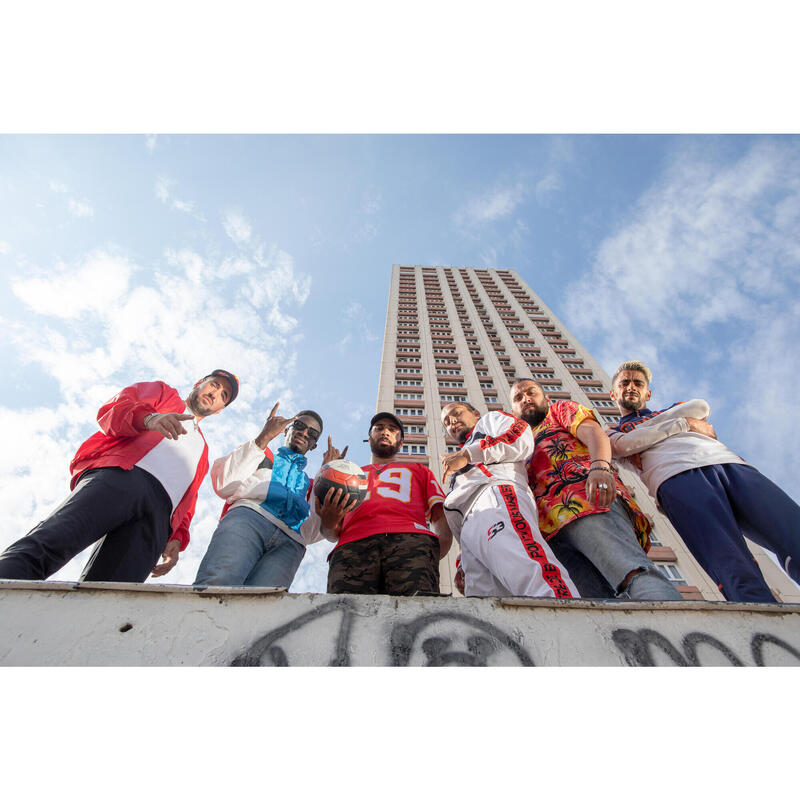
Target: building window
409 412
593 389
654 540
673 574
453 448
604 403
414 449
415 429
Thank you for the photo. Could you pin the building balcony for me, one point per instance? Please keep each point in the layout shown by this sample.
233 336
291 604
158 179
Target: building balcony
661 553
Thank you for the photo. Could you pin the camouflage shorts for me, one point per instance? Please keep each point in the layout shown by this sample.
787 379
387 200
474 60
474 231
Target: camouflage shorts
386 563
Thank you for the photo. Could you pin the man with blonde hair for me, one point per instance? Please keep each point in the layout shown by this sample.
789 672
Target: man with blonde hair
712 497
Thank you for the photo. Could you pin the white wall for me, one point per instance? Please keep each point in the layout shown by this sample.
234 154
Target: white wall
102 624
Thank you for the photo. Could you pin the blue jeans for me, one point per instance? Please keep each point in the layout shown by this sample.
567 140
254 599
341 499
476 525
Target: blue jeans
249 550
608 540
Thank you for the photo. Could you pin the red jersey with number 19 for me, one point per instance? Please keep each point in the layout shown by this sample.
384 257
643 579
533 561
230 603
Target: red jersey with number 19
399 499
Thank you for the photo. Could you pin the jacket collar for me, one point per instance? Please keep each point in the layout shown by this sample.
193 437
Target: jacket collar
290 455
642 412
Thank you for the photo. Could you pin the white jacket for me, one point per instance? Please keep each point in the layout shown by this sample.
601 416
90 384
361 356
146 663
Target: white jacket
497 448
240 480
667 447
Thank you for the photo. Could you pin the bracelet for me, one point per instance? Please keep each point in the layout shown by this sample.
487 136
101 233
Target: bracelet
596 460
148 418
601 469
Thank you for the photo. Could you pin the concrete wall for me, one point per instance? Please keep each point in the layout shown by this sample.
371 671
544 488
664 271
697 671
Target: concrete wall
53 623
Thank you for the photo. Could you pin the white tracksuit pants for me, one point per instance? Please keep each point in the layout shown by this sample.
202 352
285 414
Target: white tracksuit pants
503 554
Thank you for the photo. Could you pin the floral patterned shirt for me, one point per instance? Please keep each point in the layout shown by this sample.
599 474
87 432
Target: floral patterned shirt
557 473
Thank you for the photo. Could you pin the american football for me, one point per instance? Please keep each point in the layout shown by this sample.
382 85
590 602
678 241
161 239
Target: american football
341 474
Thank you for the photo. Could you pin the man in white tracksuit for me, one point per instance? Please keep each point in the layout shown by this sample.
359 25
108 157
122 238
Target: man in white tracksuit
491 510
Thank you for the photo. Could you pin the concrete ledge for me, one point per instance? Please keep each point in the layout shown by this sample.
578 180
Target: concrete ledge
52 623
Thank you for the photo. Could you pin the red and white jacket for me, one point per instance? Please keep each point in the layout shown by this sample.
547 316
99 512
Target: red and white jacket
497 447
123 441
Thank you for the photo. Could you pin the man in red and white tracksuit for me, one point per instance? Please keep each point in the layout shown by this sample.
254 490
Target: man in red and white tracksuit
134 486
491 510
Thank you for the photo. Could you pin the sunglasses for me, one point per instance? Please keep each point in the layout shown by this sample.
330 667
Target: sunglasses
312 433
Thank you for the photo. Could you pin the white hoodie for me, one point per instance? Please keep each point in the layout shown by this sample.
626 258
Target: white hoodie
667 447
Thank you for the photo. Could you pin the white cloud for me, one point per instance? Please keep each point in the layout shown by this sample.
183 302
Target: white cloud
164 192
4 248
490 207
547 185
79 209
103 322
356 323
373 201
236 227
63 292
705 271
150 140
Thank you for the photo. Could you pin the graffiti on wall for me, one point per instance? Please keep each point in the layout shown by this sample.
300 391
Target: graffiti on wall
448 638
640 648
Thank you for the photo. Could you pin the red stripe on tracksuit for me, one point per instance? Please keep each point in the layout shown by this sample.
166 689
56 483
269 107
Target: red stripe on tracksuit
509 437
550 572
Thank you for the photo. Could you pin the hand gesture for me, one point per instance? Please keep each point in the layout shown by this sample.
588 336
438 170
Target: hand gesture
701 426
601 488
332 454
167 424
272 427
331 512
452 463
169 558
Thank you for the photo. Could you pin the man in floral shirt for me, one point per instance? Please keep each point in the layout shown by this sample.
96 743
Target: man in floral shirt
581 500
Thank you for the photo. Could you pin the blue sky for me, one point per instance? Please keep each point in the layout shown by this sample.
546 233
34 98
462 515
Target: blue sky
129 258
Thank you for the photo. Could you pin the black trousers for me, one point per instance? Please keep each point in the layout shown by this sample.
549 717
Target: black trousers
127 512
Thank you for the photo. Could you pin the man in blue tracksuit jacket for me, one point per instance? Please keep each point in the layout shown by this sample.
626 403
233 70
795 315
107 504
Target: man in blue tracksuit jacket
262 535
711 496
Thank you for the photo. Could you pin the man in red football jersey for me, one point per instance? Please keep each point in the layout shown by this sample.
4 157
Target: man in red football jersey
385 546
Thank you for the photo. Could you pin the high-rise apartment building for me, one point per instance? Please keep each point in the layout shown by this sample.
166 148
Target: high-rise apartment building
456 333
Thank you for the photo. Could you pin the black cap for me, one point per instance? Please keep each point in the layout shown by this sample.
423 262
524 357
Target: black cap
392 417
232 380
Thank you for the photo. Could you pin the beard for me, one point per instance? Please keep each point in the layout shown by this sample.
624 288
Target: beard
631 405
534 416
463 435
192 401
384 450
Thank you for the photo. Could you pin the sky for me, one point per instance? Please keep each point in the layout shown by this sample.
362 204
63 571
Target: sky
130 257
139 257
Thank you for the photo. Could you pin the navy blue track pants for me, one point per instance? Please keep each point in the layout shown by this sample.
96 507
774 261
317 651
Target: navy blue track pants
714 507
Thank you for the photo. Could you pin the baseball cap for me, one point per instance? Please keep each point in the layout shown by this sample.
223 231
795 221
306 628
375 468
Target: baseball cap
392 417
232 380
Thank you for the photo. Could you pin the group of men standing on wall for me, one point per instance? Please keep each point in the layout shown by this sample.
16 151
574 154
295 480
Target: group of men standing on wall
532 498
